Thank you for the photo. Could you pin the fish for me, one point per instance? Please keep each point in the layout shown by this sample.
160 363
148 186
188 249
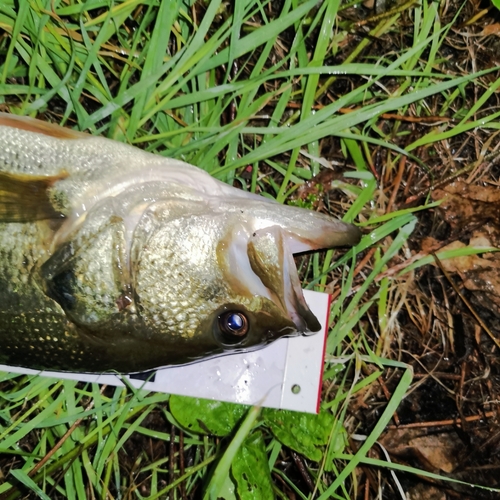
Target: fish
114 259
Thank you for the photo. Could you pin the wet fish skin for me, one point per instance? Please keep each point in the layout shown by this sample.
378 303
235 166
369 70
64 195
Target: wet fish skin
112 258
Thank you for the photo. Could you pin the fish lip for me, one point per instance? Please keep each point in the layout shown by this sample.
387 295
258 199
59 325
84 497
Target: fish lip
293 302
309 323
278 274
297 309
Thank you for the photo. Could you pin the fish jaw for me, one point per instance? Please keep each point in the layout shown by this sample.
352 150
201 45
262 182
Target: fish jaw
304 230
271 260
260 264
256 256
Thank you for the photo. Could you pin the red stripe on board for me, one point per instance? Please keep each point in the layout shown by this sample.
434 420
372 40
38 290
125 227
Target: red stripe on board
324 352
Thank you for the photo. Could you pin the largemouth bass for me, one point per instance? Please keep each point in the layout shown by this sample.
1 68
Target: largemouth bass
115 259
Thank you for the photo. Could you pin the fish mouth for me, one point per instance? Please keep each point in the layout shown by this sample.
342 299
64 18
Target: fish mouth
261 264
279 275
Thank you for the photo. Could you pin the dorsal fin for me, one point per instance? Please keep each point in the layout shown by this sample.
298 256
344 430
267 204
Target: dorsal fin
40 127
25 198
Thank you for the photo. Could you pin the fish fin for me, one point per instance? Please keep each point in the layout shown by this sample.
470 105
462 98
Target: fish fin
33 125
25 198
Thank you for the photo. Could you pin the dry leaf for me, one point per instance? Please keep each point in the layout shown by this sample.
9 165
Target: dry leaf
491 29
466 205
435 452
423 491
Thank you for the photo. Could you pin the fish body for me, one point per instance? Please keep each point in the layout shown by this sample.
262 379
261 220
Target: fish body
115 259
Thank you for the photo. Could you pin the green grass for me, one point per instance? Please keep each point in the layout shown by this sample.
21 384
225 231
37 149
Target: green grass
225 91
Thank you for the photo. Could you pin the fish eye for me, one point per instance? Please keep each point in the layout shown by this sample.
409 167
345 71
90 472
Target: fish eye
233 326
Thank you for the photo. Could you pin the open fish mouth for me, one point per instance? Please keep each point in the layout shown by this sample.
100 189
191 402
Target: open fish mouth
272 261
262 265
257 255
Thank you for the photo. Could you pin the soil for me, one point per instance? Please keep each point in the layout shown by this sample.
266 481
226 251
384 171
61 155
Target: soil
447 327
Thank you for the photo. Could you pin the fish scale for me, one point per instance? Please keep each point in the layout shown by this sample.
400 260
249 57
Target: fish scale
115 259
188 239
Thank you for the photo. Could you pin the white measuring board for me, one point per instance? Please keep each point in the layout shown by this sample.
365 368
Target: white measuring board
286 374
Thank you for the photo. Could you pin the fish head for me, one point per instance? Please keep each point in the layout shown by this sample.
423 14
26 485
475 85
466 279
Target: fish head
165 275
212 277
